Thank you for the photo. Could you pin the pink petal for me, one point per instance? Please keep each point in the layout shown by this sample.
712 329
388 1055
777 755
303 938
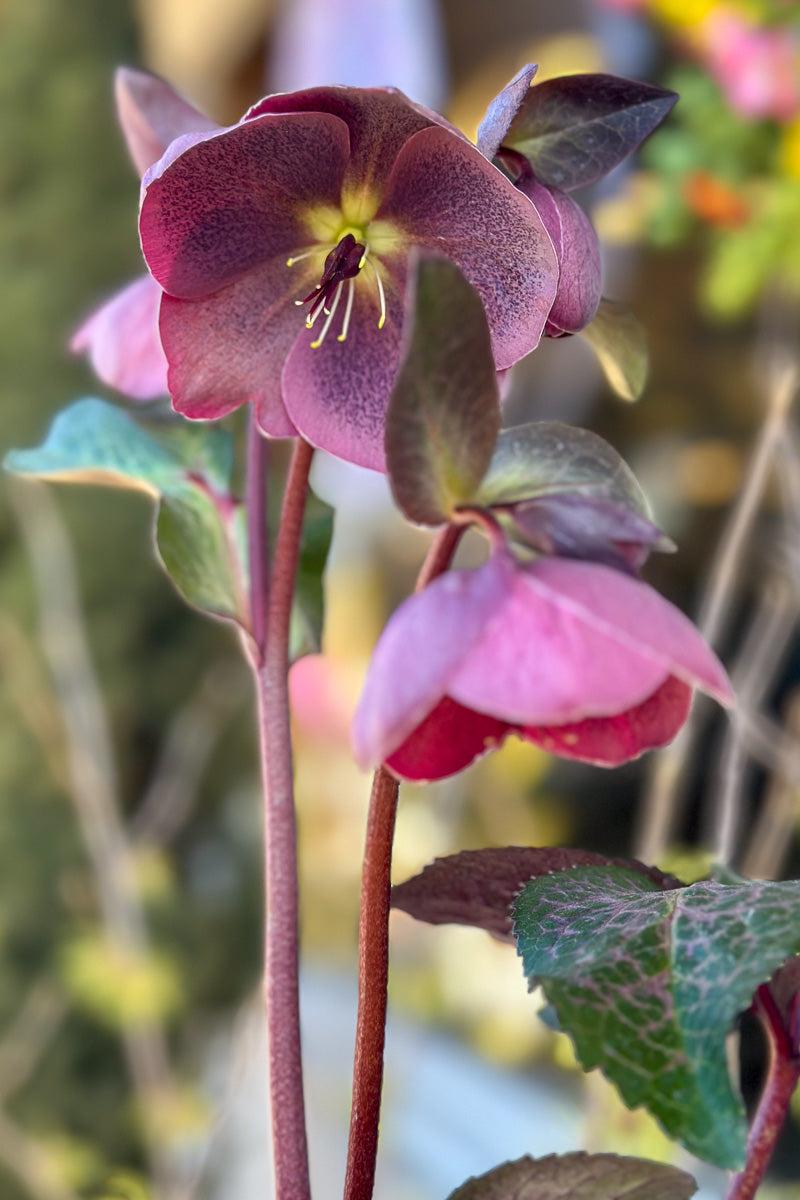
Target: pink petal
609 741
122 340
578 251
577 639
447 197
423 642
152 115
380 121
235 200
228 349
337 394
447 741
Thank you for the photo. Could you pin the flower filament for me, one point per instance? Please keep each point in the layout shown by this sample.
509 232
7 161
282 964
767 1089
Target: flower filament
344 262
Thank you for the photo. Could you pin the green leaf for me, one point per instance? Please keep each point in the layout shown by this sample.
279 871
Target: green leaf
575 129
545 458
184 466
443 416
579 1177
648 983
619 342
305 636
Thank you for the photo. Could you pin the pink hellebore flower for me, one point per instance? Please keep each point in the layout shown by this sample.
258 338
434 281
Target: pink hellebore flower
121 337
758 69
281 245
576 657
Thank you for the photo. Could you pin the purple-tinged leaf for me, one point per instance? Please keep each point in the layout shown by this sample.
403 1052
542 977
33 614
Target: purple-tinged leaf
444 413
577 128
502 110
648 983
579 1176
589 527
619 341
478 887
546 458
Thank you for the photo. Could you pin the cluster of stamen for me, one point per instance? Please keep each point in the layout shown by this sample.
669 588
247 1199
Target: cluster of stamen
342 265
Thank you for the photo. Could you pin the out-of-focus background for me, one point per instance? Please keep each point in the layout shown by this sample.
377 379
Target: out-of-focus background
126 719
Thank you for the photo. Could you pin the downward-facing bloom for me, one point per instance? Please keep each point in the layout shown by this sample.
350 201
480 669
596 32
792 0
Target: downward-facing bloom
577 657
281 245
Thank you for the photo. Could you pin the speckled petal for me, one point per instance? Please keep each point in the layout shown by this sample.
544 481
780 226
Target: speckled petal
450 739
422 644
380 122
337 393
576 640
578 251
122 341
235 200
152 115
447 197
609 741
228 349
502 110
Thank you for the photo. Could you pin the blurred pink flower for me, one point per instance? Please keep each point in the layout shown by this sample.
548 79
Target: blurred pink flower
574 656
315 198
758 69
121 337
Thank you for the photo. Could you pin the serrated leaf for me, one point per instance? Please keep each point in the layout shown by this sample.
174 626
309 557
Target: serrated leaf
443 416
579 1176
648 984
577 128
305 635
478 887
546 458
185 467
619 342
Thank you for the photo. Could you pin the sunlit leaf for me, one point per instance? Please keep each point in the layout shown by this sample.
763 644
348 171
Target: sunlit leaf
185 467
619 342
579 1177
648 983
444 414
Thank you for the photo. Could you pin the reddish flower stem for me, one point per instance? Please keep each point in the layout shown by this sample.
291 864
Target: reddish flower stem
373 942
281 939
783 1073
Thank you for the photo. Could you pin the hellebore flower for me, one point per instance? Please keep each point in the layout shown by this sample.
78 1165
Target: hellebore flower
281 246
121 337
577 657
757 68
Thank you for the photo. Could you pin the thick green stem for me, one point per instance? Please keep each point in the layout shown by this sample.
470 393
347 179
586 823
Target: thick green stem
281 937
373 943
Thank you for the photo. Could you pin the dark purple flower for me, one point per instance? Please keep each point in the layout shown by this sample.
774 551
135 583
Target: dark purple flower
282 246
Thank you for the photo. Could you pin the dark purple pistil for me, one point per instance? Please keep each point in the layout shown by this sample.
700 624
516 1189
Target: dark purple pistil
343 262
